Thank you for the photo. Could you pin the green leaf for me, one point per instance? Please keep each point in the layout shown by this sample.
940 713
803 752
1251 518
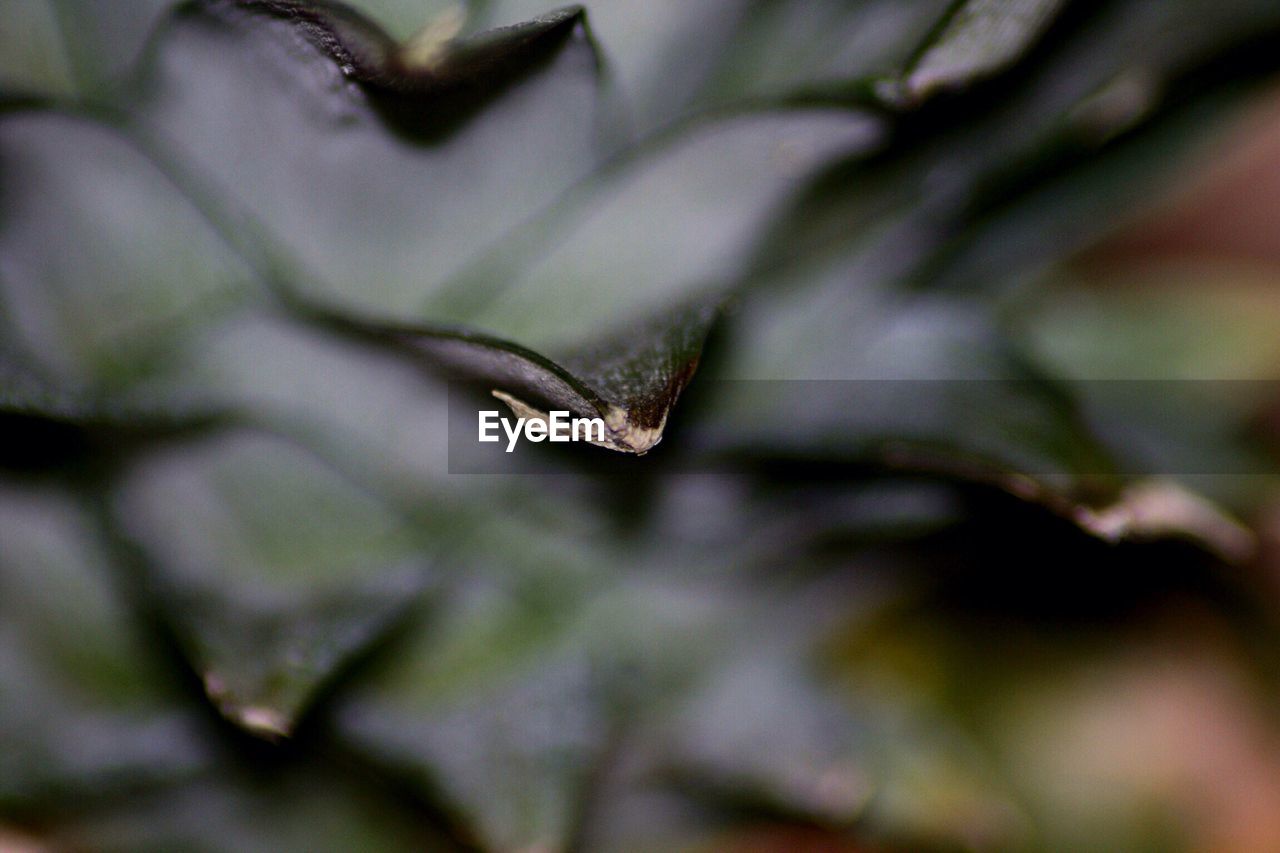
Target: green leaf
33 59
513 762
834 364
783 50
979 38
630 380
671 229
357 212
677 222
307 572
93 309
1174 367
56 427
406 19
387 246
84 715
73 48
221 285
1055 136
675 58
496 678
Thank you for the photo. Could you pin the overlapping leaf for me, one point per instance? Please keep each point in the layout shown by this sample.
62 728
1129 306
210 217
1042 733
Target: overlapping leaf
267 615
74 668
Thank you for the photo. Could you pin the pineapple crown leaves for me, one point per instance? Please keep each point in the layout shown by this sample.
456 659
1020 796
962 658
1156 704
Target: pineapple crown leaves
430 83
840 191
473 70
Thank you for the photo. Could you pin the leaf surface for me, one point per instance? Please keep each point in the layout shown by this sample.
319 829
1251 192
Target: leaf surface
306 573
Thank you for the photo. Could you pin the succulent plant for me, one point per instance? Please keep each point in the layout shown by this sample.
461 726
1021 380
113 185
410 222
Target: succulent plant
904 533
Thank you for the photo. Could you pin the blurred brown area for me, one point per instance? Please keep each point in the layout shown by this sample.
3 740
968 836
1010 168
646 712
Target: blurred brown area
1176 724
1228 211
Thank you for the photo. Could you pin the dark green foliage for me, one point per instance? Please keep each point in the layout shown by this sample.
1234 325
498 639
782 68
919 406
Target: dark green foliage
813 247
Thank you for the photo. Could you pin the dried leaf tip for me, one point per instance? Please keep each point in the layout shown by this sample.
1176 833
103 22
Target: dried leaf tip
620 435
1161 508
261 721
429 46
